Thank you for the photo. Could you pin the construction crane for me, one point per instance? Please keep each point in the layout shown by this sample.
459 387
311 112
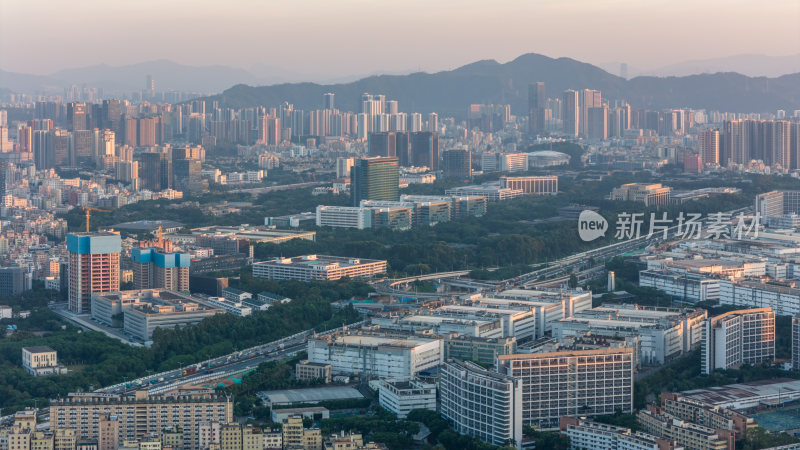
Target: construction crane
89 210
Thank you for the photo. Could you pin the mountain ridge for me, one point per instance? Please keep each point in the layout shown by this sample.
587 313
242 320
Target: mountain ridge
488 81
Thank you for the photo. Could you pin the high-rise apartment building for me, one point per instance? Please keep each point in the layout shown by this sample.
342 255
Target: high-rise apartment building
536 105
375 179
739 337
709 147
155 171
328 100
796 342
571 113
382 144
154 268
12 280
93 267
590 99
425 149
597 122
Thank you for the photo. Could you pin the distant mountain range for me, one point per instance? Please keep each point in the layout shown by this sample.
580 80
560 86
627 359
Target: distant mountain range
168 75
450 92
750 65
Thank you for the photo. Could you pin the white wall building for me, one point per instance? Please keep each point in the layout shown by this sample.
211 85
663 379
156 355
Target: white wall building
784 300
519 323
481 403
664 333
738 337
548 306
684 286
230 307
571 383
401 396
344 217
383 356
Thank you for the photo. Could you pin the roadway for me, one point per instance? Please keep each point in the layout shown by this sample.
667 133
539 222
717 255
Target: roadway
569 264
235 363
85 322
283 187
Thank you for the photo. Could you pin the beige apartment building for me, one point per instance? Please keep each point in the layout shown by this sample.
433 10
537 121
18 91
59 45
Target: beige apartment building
141 415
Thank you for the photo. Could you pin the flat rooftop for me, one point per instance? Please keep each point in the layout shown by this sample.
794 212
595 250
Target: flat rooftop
254 233
310 395
376 341
481 310
763 390
147 225
320 260
437 320
39 349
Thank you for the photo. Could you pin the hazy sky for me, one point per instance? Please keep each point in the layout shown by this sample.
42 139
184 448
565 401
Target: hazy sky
345 37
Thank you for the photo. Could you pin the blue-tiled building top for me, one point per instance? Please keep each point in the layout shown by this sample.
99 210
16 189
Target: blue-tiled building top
93 243
167 260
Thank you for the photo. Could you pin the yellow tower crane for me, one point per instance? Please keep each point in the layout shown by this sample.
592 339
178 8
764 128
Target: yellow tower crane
89 210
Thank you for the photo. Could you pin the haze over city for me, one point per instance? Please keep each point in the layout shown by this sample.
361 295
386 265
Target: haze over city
325 40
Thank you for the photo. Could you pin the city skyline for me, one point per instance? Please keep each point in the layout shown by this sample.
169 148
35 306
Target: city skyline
364 45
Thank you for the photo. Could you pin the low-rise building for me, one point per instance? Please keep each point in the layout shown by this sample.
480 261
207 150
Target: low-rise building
401 396
315 413
783 299
375 354
140 312
533 185
649 194
700 413
230 307
307 371
687 287
586 434
236 295
654 421
318 268
664 333
491 192
41 360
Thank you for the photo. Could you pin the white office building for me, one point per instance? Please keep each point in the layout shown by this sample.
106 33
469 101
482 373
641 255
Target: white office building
230 307
784 300
401 396
344 217
664 333
518 323
442 325
481 403
571 383
684 286
376 355
548 306
745 336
